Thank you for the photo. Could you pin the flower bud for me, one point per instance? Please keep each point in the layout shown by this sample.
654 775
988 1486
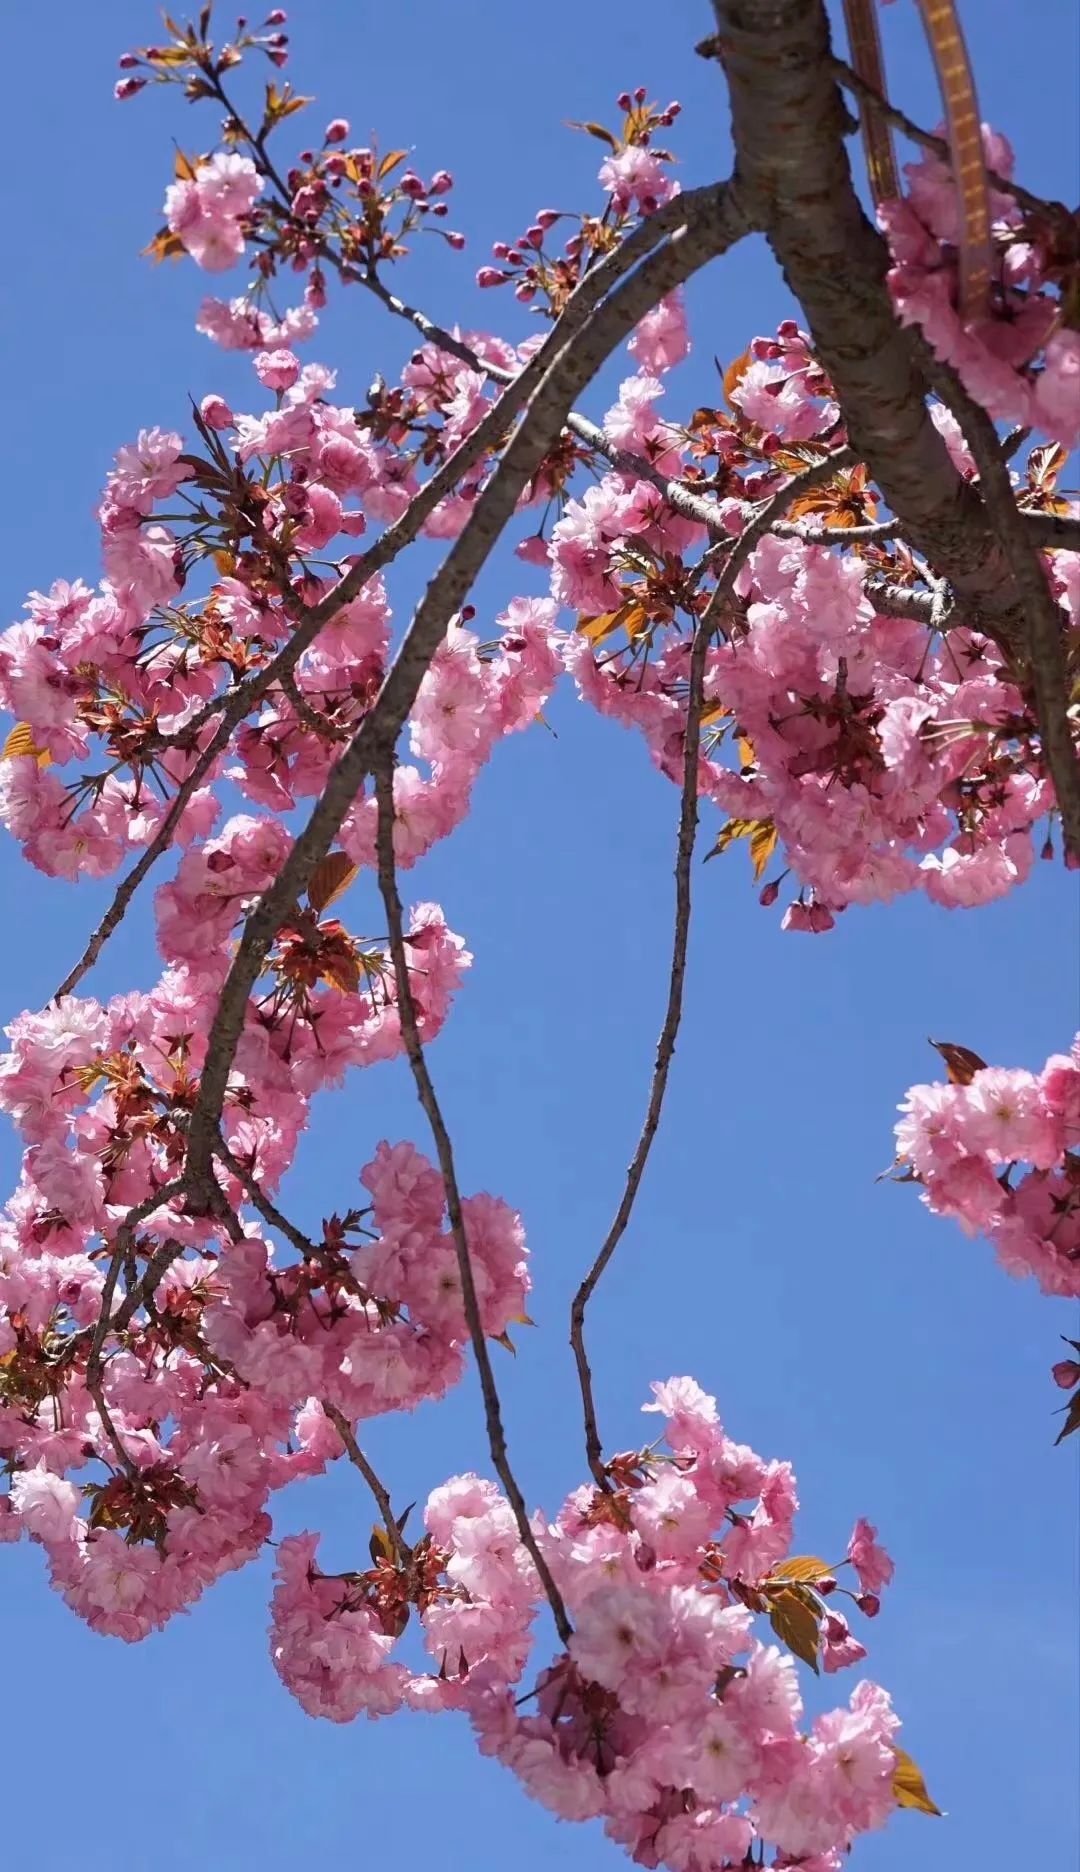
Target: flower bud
336 131
1066 1373
216 413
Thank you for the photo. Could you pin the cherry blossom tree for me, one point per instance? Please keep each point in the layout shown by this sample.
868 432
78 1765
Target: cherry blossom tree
840 608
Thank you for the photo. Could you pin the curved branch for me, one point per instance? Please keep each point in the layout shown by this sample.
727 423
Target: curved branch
764 520
425 1090
576 362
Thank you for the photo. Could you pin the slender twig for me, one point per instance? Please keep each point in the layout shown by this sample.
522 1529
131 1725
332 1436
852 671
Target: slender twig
402 1550
665 1046
312 720
763 521
258 1199
425 1090
703 207
851 81
123 1248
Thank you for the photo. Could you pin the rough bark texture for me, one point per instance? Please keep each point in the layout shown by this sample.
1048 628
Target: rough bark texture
789 123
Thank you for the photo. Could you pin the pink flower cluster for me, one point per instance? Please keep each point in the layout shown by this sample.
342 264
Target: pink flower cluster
967 1144
213 1398
1019 361
667 1717
883 758
208 211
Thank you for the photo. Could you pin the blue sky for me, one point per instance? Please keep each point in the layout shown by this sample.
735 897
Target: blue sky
839 1325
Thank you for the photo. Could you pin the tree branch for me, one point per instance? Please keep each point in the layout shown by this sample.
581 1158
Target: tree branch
1042 622
402 1550
763 522
575 363
384 794
788 125
888 113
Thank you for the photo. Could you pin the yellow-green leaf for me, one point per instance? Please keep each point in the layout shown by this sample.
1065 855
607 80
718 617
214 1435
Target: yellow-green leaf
734 375
909 1786
597 130
390 162
597 628
20 742
330 880
734 829
165 246
801 1567
796 1624
747 755
185 168
763 841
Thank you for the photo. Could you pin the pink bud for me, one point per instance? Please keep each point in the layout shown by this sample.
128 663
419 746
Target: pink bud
1066 1373
336 131
869 1603
490 276
534 235
127 87
127 61
524 292
441 182
624 100
216 413
411 184
533 550
277 17
769 894
547 217
825 1586
640 95
457 241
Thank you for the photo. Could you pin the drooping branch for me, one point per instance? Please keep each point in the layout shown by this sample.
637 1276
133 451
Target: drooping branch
575 364
425 1090
763 522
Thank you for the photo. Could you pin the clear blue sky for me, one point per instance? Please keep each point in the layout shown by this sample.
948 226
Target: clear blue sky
839 1325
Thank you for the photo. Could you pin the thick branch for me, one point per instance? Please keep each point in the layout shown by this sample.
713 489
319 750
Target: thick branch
1042 620
384 793
576 362
788 123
